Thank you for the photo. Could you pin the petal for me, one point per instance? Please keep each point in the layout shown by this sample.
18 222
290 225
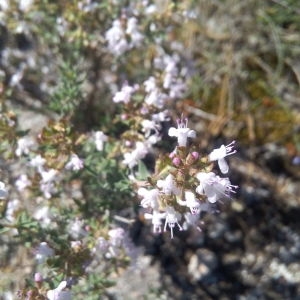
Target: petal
61 286
212 199
142 192
210 192
51 295
148 216
217 153
173 131
182 140
192 134
223 165
190 196
199 189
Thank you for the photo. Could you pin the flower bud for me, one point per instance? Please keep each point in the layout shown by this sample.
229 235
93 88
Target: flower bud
38 277
176 161
195 154
124 117
192 158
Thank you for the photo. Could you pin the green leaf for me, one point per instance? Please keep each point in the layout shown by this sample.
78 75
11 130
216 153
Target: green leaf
143 173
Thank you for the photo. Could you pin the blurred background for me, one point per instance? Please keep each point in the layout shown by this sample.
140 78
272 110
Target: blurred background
240 63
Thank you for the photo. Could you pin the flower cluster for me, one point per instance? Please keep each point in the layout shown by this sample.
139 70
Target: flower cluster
146 117
123 35
188 187
72 172
61 292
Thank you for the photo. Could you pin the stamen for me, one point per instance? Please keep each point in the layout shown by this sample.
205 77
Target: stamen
229 148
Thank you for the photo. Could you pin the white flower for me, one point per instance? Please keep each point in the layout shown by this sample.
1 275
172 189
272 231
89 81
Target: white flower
191 202
148 126
46 183
3 191
116 236
116 36
100 138
191 220
75 163
43 215
25 5
59 293
177 89
102 245
47 188
112 247
12 207
156 218
43 252
150 84
4 5
162 116
87 5
150 198
182 132
168 185
153 139
172 218
76 245
116 39
135 36
48 176
154 96
23 146
219 155
38 162
213 186
76 229
131 159
22 182
124 95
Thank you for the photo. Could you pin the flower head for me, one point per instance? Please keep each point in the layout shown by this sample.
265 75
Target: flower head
172 219
156 218
191 220
182 132
149 126
23 146
213 186
124 95
116 39
99 139
43 252
37 162
22 182
150 197
76 229
168 185
191 202
59 293
116 236
132 158
75 163
219 155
